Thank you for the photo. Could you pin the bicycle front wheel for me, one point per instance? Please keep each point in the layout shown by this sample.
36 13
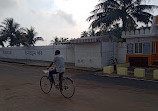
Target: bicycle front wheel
68 88
45 84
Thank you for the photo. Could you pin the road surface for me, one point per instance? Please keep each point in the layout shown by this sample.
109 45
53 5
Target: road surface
20 91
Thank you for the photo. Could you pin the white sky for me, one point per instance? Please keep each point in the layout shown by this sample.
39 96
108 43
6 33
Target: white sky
50 18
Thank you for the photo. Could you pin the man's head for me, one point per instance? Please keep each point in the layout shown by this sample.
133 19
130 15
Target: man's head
57 52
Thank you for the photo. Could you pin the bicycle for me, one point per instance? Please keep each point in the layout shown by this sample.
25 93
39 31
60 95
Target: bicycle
65 84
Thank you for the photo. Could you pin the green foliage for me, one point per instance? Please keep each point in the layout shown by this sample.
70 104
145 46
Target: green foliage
58 40
11 32
116 31
88 33
129 12
30 37
84 34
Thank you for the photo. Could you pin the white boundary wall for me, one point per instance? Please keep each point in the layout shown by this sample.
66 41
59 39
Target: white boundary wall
44 53
109 51
88 55
96 55
121 52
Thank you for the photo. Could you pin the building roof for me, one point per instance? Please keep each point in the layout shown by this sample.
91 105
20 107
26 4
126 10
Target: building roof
93 39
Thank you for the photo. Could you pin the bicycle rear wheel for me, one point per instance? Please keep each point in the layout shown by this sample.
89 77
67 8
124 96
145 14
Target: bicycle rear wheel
68 88
45 84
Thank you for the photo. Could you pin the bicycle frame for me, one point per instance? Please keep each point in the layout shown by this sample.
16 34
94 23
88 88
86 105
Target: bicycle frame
55 76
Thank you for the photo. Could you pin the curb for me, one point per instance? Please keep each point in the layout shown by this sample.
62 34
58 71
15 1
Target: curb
130 78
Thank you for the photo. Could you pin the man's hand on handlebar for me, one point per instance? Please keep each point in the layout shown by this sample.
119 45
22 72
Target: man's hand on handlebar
50 66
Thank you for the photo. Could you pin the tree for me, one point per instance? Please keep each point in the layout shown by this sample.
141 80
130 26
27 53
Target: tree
129 12
84 34
10 31
116 31
91 32
62 39
29 37
3 37
58 40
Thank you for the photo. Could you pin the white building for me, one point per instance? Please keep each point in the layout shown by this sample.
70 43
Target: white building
142 45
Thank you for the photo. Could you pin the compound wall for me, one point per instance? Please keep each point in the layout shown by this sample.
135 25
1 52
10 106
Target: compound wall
88 55
96 54
44 53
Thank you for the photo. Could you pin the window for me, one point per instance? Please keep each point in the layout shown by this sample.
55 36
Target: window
146 48
130 48
138 48
154 47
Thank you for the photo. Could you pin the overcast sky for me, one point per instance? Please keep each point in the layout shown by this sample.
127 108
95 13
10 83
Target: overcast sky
50 18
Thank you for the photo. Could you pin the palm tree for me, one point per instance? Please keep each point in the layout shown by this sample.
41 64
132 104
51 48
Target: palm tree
3 37
58 40
9 31
20 37
30 37
91 32
129 12
116 31
63 39
1 42
84 34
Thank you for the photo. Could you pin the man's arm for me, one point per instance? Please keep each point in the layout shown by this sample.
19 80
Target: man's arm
50 65
54 60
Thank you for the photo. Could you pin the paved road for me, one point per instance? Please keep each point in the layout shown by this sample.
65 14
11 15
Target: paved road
123 81
20 91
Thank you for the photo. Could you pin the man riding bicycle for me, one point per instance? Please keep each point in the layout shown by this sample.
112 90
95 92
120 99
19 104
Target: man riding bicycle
64 84
60 66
